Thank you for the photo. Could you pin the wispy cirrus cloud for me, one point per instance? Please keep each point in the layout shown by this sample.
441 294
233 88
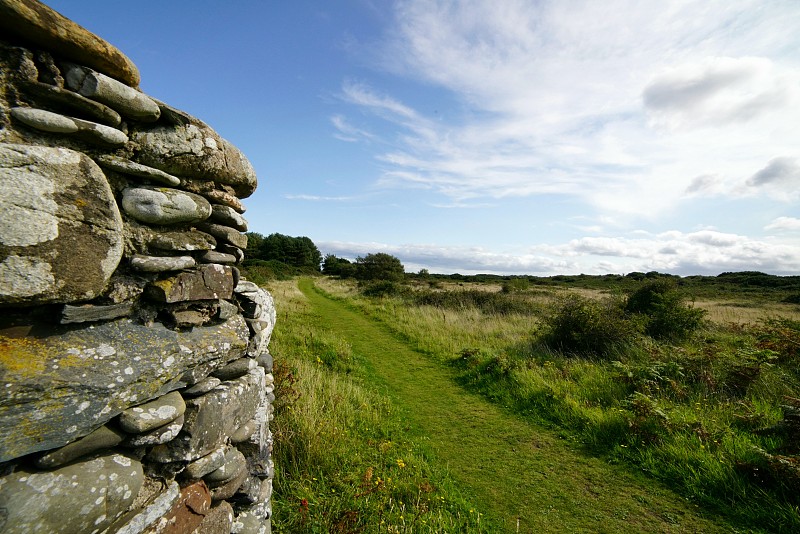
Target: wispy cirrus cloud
601 102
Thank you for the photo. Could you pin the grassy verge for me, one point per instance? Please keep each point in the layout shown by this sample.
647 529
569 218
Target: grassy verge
694 414
344 462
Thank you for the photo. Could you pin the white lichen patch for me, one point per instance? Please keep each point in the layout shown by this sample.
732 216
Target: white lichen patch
27 208
25 277
122 460
105 350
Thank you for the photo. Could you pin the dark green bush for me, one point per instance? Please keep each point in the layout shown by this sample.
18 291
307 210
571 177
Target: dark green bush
261 271
583 326
485 301
663 310
384 288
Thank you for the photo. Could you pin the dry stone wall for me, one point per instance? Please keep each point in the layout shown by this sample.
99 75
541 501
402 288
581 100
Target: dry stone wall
135 377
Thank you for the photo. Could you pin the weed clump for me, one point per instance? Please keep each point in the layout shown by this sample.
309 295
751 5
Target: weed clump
663 310
582 326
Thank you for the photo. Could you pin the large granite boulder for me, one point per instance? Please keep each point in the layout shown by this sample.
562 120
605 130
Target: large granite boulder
64 384
195 150
56 210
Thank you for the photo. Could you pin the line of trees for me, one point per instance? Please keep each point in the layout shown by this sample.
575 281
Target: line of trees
298 252
378 266
280 256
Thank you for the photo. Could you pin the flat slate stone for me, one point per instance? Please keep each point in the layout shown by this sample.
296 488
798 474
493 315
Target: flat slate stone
164 205
206 464
206 283
160 264
123 98
88 313
102 438
213 192
56 210
136 169
227 216
235 369
228 489
153 414
36 23
233 251
47 121
244 432
157 436
122 363
80 497
202 387
232 467
183 241
224 233
157 508
212 256
227 310
72 103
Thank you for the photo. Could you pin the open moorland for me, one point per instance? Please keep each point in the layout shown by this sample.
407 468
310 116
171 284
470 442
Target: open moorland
677 397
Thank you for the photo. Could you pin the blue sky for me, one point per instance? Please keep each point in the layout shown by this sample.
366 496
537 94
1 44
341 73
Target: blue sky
506 136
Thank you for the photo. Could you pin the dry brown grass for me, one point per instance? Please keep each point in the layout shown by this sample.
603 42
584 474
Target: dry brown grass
727 312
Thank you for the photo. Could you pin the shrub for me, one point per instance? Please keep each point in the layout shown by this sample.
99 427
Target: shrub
663 310
384 288
260 271
583 326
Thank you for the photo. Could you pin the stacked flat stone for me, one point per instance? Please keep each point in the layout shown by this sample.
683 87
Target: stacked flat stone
134 362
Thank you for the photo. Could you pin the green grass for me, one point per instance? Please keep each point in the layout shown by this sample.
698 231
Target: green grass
478 457
683 413
344 462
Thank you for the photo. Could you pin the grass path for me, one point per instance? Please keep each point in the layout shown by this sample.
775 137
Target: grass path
522 476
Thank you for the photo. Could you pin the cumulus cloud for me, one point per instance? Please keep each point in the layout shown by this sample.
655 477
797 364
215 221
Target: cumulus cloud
784 224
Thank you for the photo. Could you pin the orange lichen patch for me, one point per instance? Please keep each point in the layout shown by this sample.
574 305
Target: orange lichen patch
25 358
22 356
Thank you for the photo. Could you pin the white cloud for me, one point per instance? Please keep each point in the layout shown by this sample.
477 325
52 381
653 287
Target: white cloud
784 224
701 252
347 132
719 90
779 171
595 100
